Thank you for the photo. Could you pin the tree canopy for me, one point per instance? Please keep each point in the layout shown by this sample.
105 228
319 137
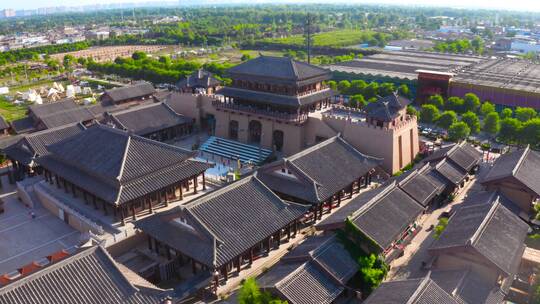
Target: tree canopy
436 100
455 104
509 130
486 108
524 114
458 131
446 119
471 119
429 113
471 102
250 293
491 123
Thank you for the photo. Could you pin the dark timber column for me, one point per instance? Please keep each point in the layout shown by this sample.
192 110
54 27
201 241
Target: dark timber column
122 215
181 194
150 205
133 211
203 181
195 185
193 266
239 265
166 198
225 272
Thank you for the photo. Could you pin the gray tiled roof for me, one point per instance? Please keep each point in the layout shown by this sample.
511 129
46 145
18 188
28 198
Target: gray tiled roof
314 272
147 119
492 197
411 291
307 284
225 223
420 186
199 78
337 218
78 114
391 206
23 125
279 68
523 165
277 99
387 108
463 155
321 170
118 166
490 229
90 276
34 144
450 171
467 286
137 90
46 109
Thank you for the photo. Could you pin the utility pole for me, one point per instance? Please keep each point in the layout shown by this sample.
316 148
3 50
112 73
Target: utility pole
307 33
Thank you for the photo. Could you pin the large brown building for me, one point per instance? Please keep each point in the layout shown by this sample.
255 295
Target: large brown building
269 101
516 176
283 105
121 173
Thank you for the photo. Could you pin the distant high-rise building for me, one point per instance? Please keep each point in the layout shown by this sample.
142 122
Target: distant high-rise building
6 13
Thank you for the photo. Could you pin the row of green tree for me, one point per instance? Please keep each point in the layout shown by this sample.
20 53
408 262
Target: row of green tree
476 46
34 53
461 117
161 70
361 92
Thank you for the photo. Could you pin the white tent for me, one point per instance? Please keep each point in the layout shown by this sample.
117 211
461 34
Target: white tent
4 90
87 90
70 91
52 91
30 95
58 87
38 100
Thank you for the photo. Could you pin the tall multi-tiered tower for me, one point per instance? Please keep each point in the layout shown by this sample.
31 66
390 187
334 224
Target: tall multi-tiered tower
269 102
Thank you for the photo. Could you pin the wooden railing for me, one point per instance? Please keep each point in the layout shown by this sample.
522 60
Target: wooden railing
286 117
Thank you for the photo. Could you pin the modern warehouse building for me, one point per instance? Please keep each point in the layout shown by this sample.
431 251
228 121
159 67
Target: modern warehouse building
505 82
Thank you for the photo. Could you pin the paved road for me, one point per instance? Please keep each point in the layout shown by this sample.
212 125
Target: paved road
409 265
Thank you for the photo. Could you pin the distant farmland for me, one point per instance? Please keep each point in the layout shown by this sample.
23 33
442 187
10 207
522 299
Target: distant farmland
339 38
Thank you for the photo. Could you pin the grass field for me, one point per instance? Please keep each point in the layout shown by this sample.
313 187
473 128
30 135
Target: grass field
340 38
10 111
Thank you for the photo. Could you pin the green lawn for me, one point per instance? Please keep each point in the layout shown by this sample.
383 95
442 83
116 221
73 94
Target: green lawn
33 85
339 38
10 111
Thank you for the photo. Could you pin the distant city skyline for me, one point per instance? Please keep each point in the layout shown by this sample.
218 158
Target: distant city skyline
523 5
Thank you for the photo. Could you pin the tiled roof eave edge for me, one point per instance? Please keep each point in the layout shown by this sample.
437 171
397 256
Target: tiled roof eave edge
520 161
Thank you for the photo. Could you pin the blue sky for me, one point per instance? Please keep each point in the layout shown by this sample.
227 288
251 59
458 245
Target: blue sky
526 5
